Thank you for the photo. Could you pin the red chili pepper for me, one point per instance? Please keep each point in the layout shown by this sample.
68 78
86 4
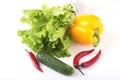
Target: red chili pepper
87 63
92 61
80 55
34 60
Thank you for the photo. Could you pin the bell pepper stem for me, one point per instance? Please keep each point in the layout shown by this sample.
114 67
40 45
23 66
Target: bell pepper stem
95 44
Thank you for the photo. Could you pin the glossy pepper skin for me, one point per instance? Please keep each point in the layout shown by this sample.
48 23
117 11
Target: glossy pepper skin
80 55
76 60
91 61
87 29
34 60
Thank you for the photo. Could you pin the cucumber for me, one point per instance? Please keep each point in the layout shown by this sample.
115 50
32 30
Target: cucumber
54 63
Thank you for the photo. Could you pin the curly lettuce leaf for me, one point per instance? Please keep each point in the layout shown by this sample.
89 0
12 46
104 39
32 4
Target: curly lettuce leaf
49 30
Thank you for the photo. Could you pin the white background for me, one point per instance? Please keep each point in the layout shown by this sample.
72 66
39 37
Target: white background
15 63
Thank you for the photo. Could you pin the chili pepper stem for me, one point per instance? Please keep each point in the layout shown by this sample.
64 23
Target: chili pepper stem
97 36
79 68
26 50
81 71
34 60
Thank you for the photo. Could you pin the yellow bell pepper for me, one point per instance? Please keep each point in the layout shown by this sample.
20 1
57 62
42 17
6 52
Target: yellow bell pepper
87 29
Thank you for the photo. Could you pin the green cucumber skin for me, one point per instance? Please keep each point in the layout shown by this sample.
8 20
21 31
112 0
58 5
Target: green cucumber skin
54 63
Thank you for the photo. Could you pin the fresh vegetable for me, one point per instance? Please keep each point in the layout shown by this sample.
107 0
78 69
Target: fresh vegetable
88 63
92 61
34 61
77 58
49 29
80 55
55 63
87 29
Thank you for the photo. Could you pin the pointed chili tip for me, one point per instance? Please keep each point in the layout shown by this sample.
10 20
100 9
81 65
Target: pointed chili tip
99 51
91 50
40 70
38 67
